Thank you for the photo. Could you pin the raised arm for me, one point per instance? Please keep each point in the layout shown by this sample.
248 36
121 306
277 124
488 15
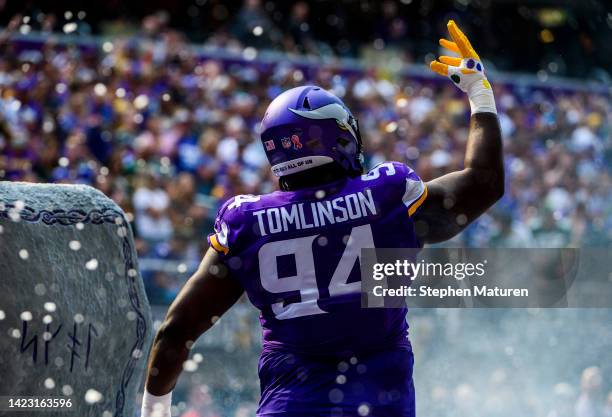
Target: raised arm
209 293
456 199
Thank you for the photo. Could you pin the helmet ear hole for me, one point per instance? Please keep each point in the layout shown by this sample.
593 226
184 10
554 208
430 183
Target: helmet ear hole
306 103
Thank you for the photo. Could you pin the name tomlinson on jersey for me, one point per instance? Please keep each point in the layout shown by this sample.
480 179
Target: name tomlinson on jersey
315 214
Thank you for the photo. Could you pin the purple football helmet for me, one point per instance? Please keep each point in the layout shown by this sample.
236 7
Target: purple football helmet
306 127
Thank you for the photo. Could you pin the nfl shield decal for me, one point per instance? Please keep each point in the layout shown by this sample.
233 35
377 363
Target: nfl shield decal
269 144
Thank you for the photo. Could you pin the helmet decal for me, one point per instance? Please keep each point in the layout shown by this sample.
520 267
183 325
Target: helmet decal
299 164
329 111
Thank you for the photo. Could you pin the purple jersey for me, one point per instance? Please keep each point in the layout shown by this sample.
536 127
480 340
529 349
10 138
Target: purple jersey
297 256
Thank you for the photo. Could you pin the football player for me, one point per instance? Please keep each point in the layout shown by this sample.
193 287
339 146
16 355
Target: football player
295 252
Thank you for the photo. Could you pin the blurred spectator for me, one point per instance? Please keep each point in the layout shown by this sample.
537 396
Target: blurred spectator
299 37
200 404
511 234
564 401
187 216
607 412
151 203
252 26
590 402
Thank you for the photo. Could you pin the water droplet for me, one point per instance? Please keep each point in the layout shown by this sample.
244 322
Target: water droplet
92 396
92 264
235 262
190 365
26 316
363 410
461 219
14 215
74 245
336 396
40 289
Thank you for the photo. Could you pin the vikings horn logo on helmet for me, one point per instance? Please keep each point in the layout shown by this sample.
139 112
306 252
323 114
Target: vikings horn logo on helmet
330 111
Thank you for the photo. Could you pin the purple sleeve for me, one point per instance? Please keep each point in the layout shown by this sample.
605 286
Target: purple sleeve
229 224
415 190
224 237
411 190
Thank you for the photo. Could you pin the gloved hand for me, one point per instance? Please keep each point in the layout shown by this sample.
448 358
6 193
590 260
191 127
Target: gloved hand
465 71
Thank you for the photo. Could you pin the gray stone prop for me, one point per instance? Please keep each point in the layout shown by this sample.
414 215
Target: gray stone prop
74 318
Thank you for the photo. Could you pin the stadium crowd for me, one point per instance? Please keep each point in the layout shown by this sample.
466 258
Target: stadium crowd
568 39
169 134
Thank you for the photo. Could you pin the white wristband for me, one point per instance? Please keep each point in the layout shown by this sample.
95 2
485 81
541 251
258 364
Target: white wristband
481 97
156 406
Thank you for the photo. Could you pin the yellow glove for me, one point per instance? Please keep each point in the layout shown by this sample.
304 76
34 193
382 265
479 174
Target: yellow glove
465 71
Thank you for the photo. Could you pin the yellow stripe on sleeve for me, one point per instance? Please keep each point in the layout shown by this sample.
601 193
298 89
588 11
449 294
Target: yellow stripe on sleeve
217 246
414 206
